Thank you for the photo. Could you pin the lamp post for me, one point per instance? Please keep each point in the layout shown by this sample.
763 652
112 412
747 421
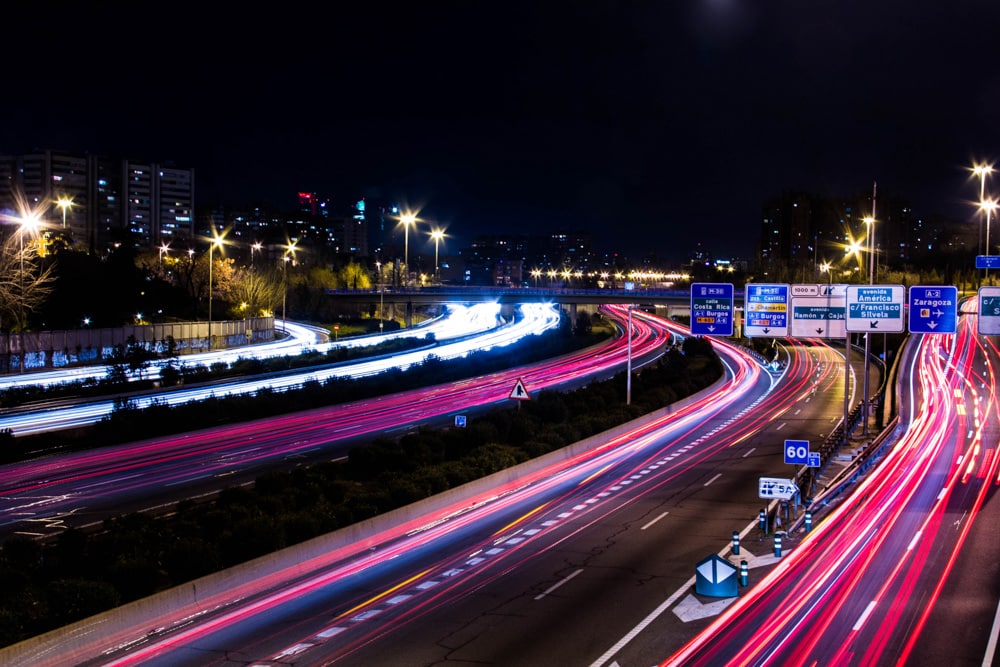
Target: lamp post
982 171
381 293
64 203
437 235
407 219
289 249
988 205
254 248
866 399
827 268
27 223
628 371
216 241
164 248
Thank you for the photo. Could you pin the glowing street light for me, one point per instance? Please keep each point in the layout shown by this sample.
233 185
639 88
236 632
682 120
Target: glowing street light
64 203
437 235
164 249
982 171
215 241
407 219
381 294
29 222
254 248
988 205
289 250
827 268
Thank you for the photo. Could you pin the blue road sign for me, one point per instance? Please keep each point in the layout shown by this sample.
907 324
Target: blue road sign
796 452
989 311
766 310
715 577
988 261
814 460
933 309
712 309
875 308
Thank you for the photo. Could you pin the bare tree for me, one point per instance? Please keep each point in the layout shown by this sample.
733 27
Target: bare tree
25 282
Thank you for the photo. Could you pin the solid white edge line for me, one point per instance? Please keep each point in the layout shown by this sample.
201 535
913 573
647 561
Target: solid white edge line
654 521
991 645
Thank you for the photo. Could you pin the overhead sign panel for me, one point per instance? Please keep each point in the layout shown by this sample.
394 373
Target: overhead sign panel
819 311
989 311
875 308
988 261
766 310
712 309
933 309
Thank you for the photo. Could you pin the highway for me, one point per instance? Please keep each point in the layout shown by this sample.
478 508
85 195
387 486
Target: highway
462 331
904 571
47 495
562 566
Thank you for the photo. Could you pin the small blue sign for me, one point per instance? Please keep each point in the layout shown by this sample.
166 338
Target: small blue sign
712 309
933 309
796 452
814 460
715 577
988 261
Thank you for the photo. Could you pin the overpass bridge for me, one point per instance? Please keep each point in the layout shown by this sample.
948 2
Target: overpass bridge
676 301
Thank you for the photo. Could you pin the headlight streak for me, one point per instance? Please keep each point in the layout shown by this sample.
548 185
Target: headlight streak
583 464
790 633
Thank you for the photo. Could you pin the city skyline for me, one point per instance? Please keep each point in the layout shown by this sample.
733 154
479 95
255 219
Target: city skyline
655 129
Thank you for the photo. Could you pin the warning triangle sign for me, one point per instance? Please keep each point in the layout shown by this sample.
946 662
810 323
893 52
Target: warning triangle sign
519 393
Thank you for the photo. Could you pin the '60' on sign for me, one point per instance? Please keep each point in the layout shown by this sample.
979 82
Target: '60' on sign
797 452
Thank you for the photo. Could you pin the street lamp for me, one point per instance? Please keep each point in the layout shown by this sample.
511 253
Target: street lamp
27 223
407 219
289 250
866 399
988 205
437 235
982 171
64 203
254 248
628 372
164 249
828 269
216 241
381 292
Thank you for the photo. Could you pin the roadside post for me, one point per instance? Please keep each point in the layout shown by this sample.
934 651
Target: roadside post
744 573
736 543
777 545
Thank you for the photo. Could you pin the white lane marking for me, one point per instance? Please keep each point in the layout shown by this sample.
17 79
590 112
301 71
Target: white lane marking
557 584
864 616
654 521
713 479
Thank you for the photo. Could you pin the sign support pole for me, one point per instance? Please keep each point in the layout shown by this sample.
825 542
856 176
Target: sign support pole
847 380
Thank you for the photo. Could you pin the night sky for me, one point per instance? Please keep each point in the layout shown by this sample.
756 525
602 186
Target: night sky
655 126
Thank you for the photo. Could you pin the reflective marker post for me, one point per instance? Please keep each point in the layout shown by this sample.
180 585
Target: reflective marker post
762 521
809 520
736 543
744 573
777 546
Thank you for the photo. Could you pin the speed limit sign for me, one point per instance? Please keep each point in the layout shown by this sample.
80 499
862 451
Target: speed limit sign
797 452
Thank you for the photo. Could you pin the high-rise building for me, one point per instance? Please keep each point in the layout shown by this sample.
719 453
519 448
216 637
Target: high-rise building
111 200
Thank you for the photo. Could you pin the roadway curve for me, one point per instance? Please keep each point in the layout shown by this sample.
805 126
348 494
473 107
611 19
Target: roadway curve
47 495
905 570
556 567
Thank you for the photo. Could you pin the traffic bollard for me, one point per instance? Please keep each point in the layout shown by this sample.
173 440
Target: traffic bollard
777 546
744 572
736 543
809 520
762 521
